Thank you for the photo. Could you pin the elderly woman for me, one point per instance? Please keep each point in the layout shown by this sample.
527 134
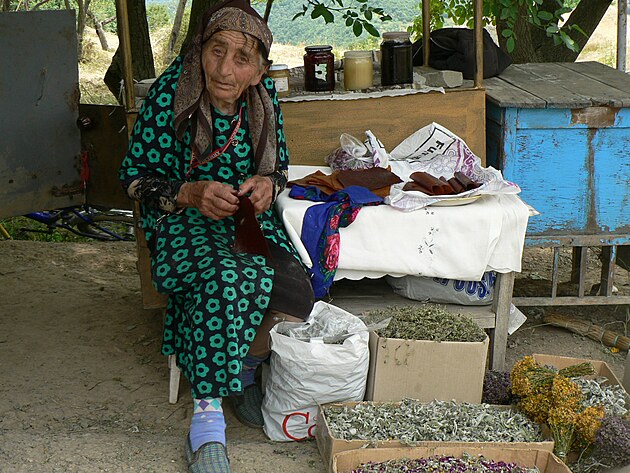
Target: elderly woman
209 136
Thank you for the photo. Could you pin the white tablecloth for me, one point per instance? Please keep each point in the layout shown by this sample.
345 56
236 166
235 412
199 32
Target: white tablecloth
459 242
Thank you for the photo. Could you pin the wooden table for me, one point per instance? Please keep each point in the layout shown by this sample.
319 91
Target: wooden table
562 132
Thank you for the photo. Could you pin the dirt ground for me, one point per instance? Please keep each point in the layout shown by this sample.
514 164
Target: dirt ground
85 389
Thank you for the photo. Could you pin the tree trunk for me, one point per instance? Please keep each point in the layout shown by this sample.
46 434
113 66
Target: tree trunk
83 7
177 26
196 13
98 26
6 5
533 44
141 52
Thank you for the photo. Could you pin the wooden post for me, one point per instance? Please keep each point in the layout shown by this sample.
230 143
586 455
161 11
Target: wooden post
125 48
426 31
622 33
478 25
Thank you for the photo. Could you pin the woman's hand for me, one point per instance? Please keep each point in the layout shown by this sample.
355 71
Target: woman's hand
213 199
260 191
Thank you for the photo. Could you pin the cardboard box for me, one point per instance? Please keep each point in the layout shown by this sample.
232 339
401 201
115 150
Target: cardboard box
545 461
559 362
425 370
329 445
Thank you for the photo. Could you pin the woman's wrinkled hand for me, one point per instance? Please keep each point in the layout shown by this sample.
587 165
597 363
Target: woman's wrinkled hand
214 199
260 192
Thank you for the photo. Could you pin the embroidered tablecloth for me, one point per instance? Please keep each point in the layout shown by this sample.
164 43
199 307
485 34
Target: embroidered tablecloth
455 242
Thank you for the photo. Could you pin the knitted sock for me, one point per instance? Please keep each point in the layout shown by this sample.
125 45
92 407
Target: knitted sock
250 363
208 423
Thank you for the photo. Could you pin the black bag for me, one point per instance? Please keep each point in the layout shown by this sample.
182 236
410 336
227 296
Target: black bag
453 49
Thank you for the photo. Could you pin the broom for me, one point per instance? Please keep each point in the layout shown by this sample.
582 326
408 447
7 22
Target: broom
590 330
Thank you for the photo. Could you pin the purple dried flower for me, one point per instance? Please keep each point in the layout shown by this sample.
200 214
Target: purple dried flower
612 441
497 388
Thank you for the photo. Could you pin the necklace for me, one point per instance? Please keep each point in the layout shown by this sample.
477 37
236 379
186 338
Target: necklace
194 159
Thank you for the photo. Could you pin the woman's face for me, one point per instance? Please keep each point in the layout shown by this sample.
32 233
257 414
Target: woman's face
231 62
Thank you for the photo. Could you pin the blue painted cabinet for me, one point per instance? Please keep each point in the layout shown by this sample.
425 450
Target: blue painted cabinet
562 132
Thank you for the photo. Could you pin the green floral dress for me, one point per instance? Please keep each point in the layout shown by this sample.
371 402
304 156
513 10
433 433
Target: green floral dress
217 298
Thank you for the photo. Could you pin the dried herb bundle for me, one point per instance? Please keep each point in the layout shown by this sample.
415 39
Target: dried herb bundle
613 398
497 388
411 421
429 322
550 397
443 463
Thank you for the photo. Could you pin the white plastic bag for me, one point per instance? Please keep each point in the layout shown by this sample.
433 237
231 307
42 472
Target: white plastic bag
445 291
304 374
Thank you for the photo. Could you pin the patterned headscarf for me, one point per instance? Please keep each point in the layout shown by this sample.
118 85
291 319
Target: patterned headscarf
189 106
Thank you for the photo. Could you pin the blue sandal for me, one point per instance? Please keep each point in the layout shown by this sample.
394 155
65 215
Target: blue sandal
211 457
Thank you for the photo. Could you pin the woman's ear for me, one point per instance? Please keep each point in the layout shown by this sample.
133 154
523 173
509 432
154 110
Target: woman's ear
258 76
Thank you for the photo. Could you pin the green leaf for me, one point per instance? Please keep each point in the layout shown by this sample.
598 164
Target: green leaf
569 43
357 28
552 29
369 27
578 29
368 15
510 44
507 33
297 15
544 15
349 21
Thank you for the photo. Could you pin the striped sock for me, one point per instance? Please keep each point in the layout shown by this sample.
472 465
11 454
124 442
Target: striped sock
208 423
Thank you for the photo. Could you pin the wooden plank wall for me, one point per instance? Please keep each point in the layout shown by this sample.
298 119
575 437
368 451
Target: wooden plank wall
313 128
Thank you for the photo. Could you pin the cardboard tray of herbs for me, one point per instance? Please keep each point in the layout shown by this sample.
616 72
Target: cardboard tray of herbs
448 458
409 421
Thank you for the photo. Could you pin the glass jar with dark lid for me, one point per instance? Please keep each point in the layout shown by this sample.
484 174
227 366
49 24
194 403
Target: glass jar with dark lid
319 68
396 58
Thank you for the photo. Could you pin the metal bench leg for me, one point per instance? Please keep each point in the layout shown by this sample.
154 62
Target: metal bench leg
173 385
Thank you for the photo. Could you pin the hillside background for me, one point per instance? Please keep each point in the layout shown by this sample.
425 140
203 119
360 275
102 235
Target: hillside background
290 37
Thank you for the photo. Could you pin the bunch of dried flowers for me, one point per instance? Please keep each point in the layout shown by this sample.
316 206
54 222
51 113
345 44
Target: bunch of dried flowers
443 463
612 442
429 322
549 396
497 388
411 421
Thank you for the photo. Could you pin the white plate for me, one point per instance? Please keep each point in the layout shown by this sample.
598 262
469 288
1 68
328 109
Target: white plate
455 202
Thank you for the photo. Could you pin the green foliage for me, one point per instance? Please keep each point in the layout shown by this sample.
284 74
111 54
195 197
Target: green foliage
506 13
291 25
22 228
158 16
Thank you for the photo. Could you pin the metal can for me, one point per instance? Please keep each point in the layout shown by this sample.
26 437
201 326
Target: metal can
280 75
319 68
358 71
396 58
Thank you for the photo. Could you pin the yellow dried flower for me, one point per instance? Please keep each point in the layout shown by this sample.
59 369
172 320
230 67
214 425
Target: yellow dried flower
521 385
560 416
536 407
587 423
567 394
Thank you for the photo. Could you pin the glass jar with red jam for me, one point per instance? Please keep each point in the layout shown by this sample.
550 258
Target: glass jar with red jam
319 68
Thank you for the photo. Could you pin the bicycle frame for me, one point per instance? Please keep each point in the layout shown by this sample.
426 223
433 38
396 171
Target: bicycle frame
82 221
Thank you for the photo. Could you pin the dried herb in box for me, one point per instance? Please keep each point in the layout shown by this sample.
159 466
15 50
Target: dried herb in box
428 322
443 463
411 421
